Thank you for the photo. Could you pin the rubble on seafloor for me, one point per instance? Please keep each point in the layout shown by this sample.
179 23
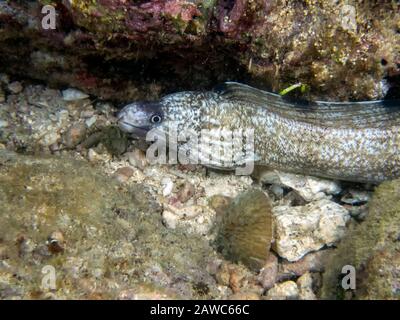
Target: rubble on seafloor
77 195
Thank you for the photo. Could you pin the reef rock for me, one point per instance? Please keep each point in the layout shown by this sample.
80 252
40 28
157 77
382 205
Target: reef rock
299 230
308 187
287 290
338 50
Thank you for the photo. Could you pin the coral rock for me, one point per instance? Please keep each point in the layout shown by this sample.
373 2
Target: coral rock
299 230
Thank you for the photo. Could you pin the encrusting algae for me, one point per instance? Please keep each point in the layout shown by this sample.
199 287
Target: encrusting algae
372 248
104 239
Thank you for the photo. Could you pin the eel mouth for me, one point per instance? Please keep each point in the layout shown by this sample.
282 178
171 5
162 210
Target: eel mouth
136 131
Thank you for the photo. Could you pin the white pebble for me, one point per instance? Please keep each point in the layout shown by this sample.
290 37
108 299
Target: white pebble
168 185
283 291
73 95
169 219
91 121
3 123
93 156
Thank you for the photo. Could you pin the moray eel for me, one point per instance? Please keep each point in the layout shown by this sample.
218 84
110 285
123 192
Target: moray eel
353 141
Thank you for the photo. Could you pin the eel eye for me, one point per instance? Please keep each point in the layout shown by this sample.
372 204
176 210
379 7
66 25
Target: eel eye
155 118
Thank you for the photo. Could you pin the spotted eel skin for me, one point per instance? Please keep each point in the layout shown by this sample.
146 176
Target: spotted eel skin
353 141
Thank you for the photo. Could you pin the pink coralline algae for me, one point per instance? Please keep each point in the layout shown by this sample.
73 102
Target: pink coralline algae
144 15
240 16
195 44
182 9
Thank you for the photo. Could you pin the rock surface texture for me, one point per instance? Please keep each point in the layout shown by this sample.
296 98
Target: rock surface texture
339 50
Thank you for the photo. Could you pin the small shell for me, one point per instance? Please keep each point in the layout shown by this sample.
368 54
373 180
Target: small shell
73 95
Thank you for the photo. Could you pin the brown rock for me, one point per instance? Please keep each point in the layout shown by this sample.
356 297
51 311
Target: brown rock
223 275
234 281
312 262
15 87
74 135
137 158
269 273
186 191
123 174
